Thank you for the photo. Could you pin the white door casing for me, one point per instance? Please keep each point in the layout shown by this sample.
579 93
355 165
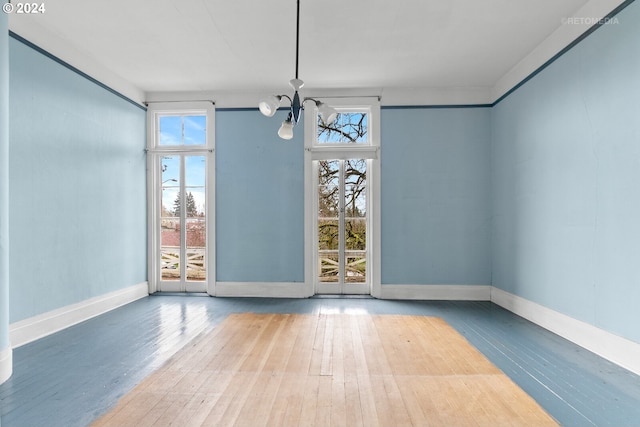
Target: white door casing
335 149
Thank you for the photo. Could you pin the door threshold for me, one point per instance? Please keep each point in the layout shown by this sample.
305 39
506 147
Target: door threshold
341 296
179 294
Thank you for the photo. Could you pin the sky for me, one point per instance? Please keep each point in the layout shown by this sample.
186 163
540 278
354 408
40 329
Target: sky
183 131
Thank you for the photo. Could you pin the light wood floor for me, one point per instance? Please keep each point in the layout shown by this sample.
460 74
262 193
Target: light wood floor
328 370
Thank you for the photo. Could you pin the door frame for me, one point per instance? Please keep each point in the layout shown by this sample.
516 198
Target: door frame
314 152
341 288
154 188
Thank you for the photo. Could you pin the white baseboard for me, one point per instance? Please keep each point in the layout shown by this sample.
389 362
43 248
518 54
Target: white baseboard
262 289
437 292
614 348
44 324
300 290
6 364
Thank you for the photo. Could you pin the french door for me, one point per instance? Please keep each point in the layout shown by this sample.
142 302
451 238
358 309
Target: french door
341 251
183 224
342 203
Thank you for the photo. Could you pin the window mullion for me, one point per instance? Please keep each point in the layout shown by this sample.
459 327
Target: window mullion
341 227
183 225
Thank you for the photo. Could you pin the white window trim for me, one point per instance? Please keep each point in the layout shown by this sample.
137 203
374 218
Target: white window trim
154 151
314 151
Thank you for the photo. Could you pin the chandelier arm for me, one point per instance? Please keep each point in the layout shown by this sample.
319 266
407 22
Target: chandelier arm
286 96
308 98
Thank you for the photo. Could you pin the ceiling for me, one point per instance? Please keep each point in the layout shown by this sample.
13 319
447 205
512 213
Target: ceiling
391 48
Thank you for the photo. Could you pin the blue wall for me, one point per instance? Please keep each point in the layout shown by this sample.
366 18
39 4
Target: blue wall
566 168
4 187
78 187
259 199
435 196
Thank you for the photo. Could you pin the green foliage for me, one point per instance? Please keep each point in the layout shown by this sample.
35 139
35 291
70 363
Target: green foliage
192 209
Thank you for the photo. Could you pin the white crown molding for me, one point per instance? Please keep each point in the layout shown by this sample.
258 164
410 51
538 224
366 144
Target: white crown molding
6 364
571 27
472 95
388 97
33 328
437 292
614 348
226 99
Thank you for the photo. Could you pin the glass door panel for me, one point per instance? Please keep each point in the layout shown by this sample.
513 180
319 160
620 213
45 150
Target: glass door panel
329 221
355 224
341 245
170 226
183 232
195 218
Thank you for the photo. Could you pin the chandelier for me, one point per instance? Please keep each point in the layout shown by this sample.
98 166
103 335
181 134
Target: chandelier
270 105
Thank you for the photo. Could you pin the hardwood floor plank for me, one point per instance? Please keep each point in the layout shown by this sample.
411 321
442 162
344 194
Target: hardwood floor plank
226 409
194 412
166 411
353 401
368 406
398 408
259 403
300 363
317 353
265 332
326 362
216 382
383 404
280 354
310 401
362 378
287 405
411 398
453 394
237 340
521 403
434 403
338 401
374 352
324 401
475 401
349 361
139 406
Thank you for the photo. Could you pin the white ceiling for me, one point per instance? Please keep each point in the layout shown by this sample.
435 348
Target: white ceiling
408 51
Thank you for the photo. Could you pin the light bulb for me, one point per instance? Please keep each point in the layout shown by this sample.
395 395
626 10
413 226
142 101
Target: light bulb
270 105
327 113
286 130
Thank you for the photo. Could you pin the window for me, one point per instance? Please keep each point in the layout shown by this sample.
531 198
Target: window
348 128
179 130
